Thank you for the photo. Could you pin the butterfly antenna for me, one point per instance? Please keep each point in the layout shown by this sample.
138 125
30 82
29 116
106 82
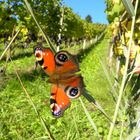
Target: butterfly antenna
95 103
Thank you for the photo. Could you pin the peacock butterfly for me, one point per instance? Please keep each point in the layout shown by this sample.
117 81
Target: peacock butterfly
62 69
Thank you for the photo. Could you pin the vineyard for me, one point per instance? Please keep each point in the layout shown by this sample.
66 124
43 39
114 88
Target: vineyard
50 55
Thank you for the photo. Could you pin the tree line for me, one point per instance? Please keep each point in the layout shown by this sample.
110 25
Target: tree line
54 17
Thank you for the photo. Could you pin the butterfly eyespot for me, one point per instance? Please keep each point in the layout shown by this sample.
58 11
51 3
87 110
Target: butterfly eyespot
73 92
56 111
38 55
61 58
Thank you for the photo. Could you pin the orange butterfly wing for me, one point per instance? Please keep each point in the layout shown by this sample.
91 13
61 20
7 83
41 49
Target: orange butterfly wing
66 63
61 93
61 68
59 101
45 58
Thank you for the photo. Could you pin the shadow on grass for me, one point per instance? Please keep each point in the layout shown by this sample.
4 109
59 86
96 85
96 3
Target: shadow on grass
25 76
18 56
22 55
33 75
3 81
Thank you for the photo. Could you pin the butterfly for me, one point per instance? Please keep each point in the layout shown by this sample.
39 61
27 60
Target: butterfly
63 71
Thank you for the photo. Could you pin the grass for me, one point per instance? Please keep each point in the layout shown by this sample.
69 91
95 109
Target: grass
18 119
93 73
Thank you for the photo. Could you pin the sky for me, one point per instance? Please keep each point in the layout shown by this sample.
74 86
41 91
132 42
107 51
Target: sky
95 8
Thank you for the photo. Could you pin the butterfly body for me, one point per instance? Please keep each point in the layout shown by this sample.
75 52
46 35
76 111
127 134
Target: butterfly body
62 69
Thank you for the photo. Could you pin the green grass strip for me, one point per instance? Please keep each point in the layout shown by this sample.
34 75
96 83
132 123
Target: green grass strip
47 130
96 104
108 78
89 117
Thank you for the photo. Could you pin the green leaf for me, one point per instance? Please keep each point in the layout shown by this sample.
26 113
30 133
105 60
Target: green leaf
129 7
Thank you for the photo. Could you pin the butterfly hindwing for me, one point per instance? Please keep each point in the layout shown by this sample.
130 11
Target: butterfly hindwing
59 101
61 94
